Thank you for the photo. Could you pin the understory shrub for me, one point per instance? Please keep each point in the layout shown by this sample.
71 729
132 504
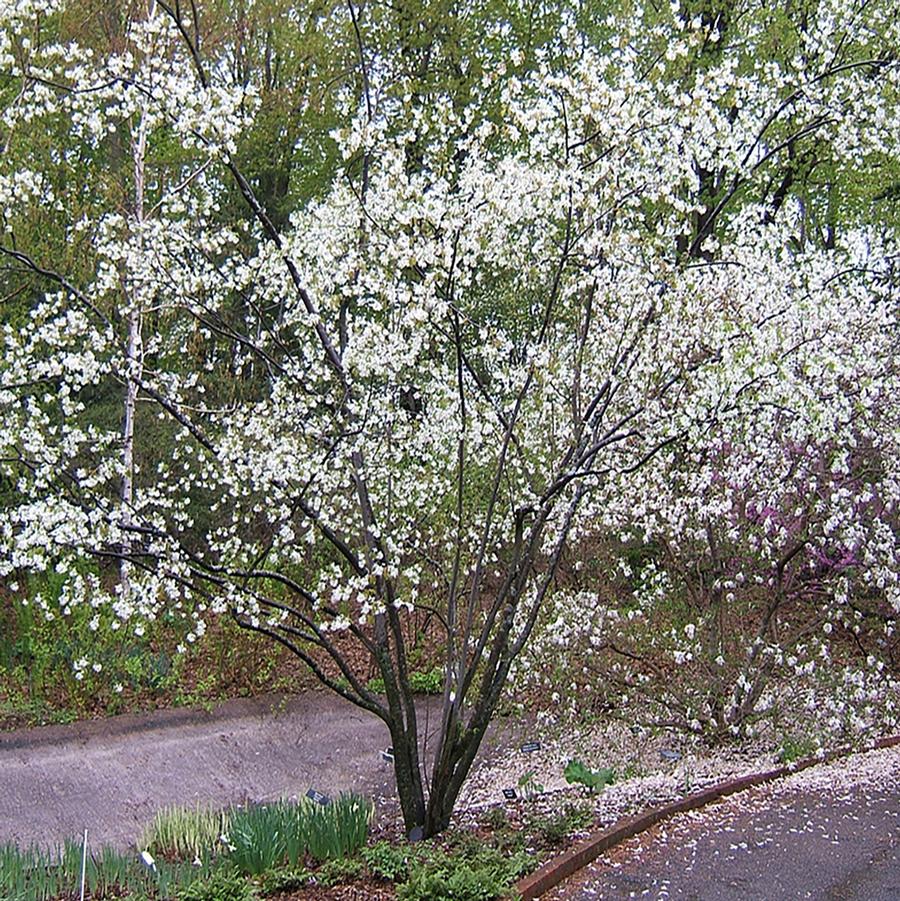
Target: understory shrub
385 861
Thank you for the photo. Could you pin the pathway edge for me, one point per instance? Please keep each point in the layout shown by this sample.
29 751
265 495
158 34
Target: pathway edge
588 849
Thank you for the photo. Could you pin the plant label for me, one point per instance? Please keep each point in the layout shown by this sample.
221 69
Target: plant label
509 794
530 747
318 797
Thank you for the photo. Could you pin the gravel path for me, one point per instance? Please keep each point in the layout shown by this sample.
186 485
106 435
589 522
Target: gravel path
111 776
831 833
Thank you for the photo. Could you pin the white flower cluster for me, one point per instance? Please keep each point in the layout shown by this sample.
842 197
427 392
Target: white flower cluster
517 333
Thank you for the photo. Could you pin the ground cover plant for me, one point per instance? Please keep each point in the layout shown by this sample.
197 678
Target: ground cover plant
280 850
625 280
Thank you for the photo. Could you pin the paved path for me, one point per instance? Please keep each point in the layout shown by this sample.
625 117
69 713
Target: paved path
111 776
832 833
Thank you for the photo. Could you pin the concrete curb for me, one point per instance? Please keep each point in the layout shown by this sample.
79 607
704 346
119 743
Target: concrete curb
583 852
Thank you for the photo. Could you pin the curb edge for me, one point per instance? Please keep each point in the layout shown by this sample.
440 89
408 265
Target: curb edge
589 849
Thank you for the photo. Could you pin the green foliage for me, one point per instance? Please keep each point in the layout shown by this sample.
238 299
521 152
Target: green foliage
553 830
258 837
267 835
577 772
221 886
796 747
43 875
462 883
274 882
424 682
45 646
529 785
386 861
481 875
339 871
186 833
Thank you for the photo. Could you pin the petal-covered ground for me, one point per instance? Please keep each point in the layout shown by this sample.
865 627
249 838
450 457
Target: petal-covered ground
832 832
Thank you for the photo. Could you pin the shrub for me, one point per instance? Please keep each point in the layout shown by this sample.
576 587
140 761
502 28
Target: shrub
339 870
479 873
421 682
555 829
275 881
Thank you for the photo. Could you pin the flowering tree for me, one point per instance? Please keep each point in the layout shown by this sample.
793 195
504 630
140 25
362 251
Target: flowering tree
762 577
414 395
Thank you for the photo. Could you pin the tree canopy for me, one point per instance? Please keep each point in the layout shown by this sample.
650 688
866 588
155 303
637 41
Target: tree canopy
321 316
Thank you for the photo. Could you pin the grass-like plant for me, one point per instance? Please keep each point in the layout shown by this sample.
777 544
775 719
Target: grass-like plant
35 874
267 835
186 833
337 829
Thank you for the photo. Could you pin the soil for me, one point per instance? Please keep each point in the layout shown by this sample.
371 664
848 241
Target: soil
357 891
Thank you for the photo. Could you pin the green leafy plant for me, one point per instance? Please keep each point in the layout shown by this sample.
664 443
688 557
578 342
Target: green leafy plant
221 886
796 748
496 818
554 829
44 875
339 871
592 780
385 861
529 785
425 682
474 872
337 829
265 836
274 882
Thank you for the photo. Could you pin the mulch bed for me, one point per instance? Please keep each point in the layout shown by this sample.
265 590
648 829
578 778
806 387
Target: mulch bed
360 890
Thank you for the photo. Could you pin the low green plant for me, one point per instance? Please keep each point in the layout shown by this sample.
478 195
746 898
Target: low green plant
424 682
795 747
257 837
554 829
577 772
274 882
338 829
529 785
339 871
430 682
38 875
186 833
463 883
221 886
476 873
385 861
496 818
